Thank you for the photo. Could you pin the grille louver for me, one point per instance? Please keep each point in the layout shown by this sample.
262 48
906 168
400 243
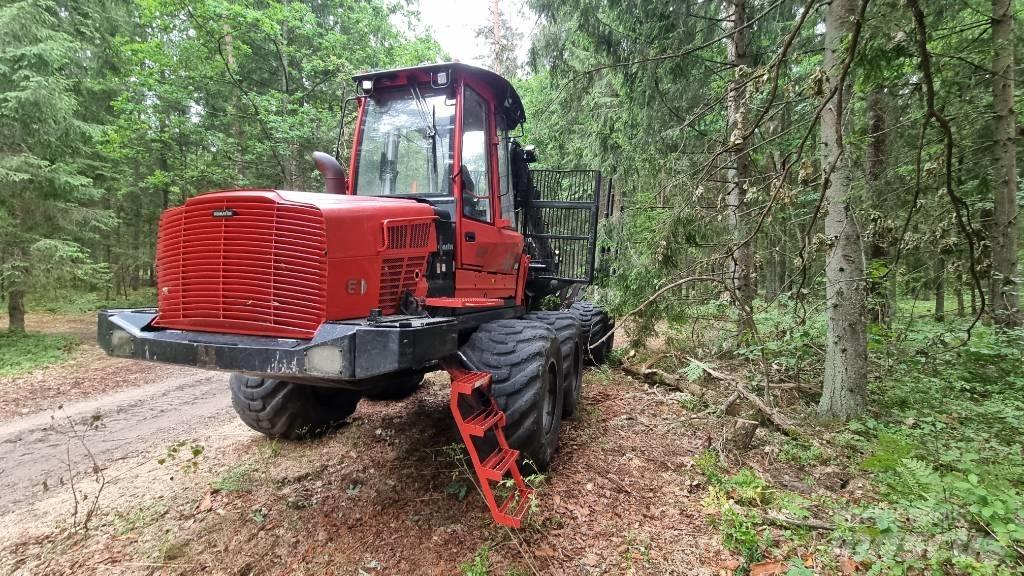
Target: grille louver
260 271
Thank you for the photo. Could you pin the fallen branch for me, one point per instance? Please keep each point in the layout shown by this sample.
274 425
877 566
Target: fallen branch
728 403
662 378
799 522
779 420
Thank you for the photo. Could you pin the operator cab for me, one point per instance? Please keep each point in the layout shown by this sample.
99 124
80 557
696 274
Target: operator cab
440 134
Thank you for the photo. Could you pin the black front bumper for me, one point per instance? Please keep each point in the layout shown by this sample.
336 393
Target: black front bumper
350 350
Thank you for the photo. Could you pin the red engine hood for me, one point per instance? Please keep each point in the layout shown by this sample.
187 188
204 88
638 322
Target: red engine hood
277 263
353 223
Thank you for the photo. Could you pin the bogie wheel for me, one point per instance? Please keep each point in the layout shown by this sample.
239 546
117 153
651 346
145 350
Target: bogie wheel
397 387
567 326
525 364
595 324
290 410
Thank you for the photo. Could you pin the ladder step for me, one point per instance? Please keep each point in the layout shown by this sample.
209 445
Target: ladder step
478 424
495 466
521 498
470 381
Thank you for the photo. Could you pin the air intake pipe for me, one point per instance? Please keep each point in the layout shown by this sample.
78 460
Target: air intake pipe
332 172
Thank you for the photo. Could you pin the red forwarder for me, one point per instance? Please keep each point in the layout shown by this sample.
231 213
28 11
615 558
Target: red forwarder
435 250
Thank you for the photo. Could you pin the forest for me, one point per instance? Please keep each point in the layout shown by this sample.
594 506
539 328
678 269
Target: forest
816 207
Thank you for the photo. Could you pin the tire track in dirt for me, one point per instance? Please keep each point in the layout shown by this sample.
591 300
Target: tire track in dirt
127 424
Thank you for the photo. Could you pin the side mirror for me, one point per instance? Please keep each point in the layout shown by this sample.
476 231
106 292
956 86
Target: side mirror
335 180
529 154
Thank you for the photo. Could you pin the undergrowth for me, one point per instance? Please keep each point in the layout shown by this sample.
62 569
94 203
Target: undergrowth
23 352
938 456
78 302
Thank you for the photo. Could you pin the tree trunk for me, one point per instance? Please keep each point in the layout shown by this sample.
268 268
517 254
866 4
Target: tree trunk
939 273
16 310
742 265
1005 310
844 390
875 164
236 108
958 280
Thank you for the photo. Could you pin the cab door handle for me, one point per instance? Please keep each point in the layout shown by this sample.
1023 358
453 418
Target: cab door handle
470 236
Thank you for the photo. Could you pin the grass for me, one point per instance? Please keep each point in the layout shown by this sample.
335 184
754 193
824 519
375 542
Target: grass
21 353
238 479
76 302
128 522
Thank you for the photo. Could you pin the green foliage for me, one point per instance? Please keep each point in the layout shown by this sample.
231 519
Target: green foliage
944 452
747 488
23 352
237 479
458 488
48 152
111 112
186 453
125 523
739 529
707 462
480 565
800 453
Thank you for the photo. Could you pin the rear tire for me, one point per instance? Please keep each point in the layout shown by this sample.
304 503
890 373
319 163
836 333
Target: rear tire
567 326
281 409
595 324
525 363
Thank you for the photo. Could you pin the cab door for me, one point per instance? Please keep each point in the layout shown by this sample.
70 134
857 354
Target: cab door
489 245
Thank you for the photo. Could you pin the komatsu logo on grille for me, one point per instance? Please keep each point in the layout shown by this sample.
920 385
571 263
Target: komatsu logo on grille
224 213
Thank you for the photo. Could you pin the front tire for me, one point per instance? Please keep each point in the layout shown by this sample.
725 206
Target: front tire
525 363
282 409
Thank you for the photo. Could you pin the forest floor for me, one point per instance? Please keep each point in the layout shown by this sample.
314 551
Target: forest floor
186 488
110 466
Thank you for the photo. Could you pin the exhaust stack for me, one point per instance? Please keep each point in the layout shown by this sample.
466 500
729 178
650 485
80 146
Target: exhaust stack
332 172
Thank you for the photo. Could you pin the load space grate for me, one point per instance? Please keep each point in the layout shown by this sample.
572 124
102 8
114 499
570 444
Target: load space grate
243 264
560 223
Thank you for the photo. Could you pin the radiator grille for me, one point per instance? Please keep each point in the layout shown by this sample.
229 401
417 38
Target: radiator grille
396 276
406 235
259 268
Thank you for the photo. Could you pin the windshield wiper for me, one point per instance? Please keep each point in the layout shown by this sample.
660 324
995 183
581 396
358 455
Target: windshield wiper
431 130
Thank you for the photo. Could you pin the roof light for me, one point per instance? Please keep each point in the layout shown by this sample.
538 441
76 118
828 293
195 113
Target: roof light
442 78
366 86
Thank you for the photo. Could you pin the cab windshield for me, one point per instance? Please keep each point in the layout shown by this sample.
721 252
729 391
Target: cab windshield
406 143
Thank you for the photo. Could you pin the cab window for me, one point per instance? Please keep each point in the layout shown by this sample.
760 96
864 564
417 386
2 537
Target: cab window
475 169
504 181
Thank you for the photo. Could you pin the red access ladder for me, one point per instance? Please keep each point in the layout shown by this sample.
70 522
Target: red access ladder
501 463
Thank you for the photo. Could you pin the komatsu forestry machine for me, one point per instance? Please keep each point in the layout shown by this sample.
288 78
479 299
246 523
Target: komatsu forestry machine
434 251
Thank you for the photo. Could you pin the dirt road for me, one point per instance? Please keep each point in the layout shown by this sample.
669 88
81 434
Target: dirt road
38 451
387 494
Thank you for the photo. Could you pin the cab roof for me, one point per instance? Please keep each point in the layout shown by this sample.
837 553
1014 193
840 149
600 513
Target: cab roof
513 106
